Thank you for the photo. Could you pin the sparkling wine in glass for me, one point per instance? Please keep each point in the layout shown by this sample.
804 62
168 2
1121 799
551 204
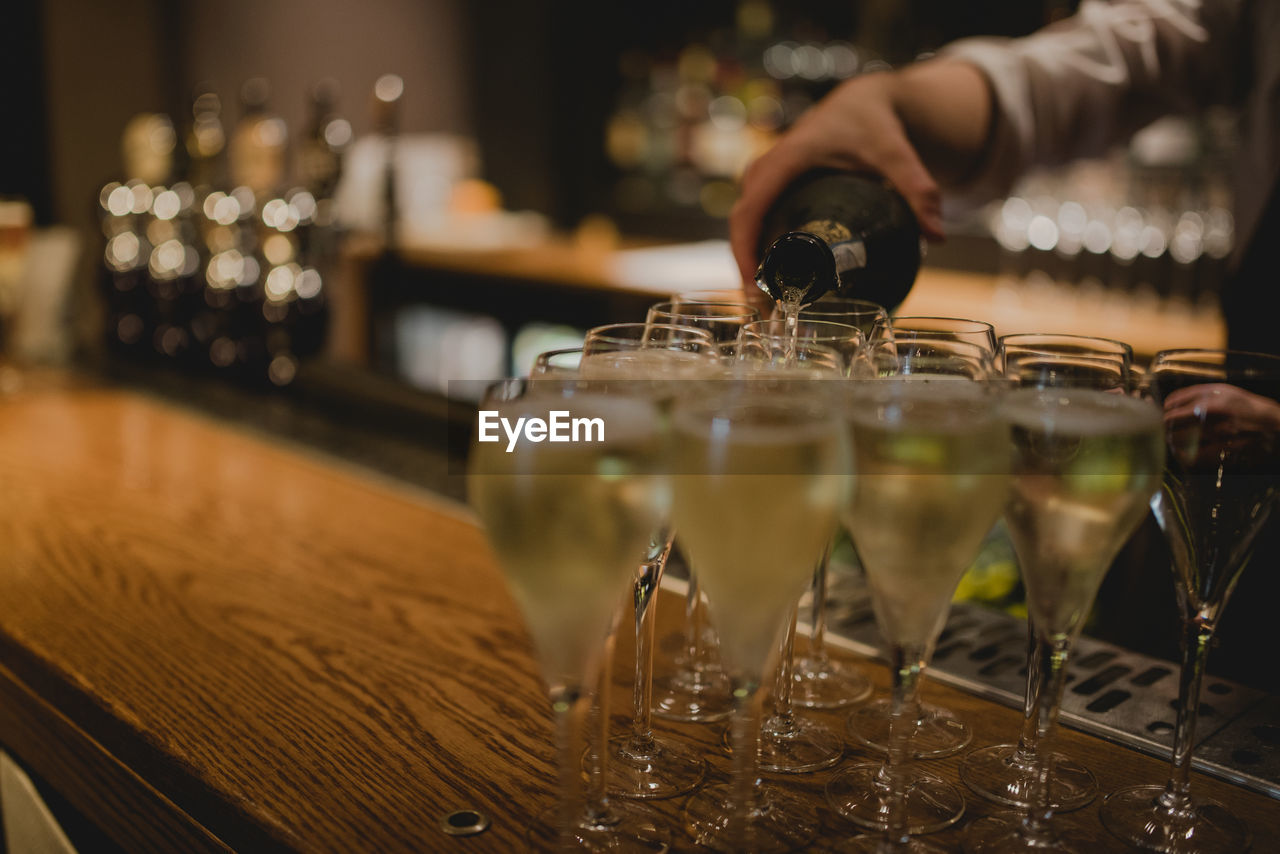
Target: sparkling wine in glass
1086 464
937 731
931 459
1221 488
696 688
792 742
1006 773
759 472
566 521
655 361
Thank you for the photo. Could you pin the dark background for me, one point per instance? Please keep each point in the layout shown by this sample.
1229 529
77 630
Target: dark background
530 80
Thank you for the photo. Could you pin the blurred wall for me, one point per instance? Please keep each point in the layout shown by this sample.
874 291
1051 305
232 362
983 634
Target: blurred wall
102 65
294 43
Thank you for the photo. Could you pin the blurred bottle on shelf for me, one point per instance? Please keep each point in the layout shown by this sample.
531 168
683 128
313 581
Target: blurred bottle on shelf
206 143
259 142
327 135
221 267
687 120
387 93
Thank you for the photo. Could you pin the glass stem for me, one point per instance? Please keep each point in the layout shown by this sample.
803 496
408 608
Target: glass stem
746 762
783 719
1196 635
1024 756
567 708
1051 673
645 591
597 806
693 622
818 609
906 664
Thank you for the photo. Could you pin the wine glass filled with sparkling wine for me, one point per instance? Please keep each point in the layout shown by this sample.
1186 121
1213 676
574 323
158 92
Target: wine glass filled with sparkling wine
1005 773
759 472
695 688
939 732
656 360
1086 464
861 313
1221 489
822 682
931 459
567 521
793 741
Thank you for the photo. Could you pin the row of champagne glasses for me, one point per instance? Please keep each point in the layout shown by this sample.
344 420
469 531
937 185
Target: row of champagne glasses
1099 419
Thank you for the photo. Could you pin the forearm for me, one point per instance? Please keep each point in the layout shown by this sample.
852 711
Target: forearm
945 106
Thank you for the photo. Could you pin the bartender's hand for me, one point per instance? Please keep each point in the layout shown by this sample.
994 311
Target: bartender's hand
1207 422
879 123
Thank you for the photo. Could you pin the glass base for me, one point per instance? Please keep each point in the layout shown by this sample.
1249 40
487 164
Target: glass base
627 828
1005 834
693 695
1143 816
655 769
803 746
858 794
821 683
780 821
992 773
938 732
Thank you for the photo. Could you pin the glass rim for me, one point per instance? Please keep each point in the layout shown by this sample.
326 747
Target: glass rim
1066 336
674 311
980 325
781 320
1218 351
603 331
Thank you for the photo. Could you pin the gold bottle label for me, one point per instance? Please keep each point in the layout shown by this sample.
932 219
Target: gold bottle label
850 252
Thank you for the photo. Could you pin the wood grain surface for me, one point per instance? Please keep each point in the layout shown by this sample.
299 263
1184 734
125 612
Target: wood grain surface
212 641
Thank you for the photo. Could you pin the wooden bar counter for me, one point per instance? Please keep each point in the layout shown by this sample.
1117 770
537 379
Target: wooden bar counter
216 640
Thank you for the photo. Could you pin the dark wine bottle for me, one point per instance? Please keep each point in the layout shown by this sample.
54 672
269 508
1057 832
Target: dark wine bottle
839 232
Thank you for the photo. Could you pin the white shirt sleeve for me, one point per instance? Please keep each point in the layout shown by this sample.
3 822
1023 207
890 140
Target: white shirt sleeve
1087 82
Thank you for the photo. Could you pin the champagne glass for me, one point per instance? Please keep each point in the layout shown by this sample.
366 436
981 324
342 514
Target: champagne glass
1005 773
566 521
978 332
562 362
822 682
710 295
759 474
937 731
931 459
721 319
644 764
697 690
844 338
1222 432
792 743
1086 464
632 351
861 313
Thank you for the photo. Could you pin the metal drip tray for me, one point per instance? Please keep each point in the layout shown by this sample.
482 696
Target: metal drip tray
1111 692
